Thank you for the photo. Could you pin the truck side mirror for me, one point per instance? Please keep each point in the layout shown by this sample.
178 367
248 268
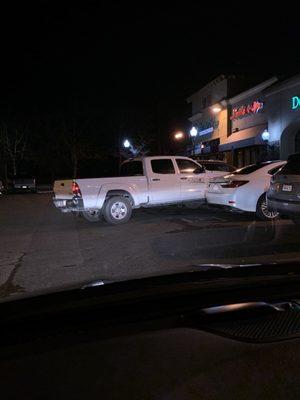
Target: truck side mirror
199 170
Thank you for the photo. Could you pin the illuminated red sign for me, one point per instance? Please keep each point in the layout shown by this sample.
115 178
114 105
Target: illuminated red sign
248 109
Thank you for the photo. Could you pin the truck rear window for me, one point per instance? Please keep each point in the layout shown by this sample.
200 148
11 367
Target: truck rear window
132 168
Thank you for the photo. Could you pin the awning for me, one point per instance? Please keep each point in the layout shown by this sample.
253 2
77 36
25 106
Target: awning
244 138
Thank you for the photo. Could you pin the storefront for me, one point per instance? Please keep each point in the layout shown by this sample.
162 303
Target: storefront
283 110
247 140
262 123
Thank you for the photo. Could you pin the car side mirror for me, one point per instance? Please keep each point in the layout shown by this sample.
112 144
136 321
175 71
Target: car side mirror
199 170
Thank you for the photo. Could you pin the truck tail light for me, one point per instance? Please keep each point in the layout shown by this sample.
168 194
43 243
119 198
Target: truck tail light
76 189
234 184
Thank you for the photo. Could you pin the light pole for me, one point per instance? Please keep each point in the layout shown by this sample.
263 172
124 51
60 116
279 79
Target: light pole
193 133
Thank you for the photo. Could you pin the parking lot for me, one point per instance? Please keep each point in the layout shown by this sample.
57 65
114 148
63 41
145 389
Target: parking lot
42 248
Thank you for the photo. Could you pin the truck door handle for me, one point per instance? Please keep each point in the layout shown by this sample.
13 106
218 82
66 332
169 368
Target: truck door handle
183 179
156 179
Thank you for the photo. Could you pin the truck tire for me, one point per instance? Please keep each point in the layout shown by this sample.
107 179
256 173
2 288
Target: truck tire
117 210
91 215
262 211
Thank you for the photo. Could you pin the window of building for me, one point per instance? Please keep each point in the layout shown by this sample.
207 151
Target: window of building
206 101
163 166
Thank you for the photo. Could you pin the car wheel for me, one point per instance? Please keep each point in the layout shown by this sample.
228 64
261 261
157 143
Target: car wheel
117 210
92 215
262 210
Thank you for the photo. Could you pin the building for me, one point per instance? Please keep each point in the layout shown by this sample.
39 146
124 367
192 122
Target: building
256 124
247 126
209 114
283 109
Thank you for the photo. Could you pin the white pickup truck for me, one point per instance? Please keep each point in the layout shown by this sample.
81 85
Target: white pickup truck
143 182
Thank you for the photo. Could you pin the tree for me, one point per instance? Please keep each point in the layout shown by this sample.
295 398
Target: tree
13 142
76 136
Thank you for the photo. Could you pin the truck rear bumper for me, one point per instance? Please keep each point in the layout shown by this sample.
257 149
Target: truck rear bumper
68 205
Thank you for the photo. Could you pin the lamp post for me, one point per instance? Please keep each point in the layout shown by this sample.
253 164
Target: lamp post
193 133
265 135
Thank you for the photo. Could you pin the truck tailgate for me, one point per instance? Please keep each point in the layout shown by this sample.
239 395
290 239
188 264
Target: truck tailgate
63 189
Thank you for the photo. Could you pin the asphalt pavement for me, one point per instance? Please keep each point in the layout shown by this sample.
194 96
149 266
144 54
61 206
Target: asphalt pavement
42 249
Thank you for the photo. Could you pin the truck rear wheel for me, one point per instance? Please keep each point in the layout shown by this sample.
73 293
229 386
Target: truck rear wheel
117 210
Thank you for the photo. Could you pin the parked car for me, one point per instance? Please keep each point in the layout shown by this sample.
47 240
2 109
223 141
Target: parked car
144 182
214 167
245 189
2 187
23 183
284 193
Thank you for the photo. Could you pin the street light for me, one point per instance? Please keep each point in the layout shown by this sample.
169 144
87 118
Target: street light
265 135
126 144
178 135
216 109
193 132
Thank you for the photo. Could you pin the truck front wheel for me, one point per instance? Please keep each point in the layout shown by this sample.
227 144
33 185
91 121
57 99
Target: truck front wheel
117 210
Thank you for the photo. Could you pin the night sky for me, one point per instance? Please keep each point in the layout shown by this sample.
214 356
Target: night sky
89 57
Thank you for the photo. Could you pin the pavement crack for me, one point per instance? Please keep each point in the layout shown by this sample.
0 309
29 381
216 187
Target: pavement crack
9 287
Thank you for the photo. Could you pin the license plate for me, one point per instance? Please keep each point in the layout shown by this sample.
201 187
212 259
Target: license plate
60 203
24 187
287 188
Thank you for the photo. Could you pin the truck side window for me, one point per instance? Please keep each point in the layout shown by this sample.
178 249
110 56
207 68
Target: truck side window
132 168
163 166
186 166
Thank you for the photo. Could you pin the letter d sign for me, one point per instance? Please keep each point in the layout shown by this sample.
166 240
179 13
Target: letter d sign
295 102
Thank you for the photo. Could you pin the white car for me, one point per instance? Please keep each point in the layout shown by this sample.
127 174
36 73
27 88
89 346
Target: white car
245 189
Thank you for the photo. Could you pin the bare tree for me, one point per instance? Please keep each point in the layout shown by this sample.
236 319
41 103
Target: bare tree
75 136
13 143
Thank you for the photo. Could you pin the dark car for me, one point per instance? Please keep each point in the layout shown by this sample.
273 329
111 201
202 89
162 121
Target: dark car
23 183
284 192
2 187
215 165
